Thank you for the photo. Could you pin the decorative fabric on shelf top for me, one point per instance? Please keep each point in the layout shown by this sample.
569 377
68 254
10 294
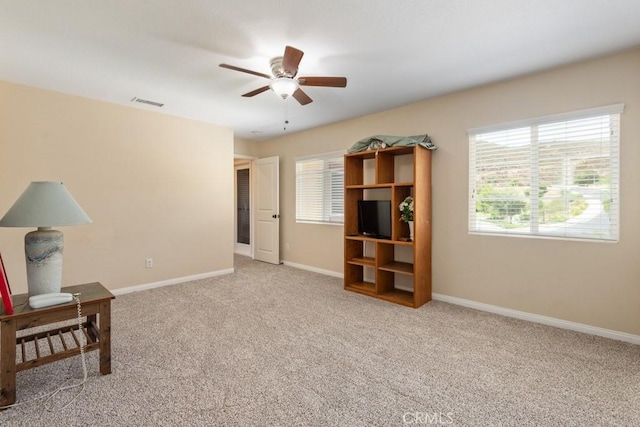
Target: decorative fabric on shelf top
377 142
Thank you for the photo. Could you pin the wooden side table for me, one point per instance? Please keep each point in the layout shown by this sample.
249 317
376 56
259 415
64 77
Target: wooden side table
57 343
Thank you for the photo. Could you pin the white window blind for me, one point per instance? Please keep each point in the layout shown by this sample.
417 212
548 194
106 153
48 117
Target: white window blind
320 188
555 176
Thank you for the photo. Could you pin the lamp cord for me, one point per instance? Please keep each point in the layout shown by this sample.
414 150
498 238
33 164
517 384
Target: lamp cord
82 358
63 387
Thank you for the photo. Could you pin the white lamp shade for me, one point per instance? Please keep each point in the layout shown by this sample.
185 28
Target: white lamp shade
45 204
284 87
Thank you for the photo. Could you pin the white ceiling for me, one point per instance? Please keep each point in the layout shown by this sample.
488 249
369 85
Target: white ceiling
392 52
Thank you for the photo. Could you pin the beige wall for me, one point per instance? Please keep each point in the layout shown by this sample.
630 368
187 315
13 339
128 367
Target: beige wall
155 186
245 148
596 284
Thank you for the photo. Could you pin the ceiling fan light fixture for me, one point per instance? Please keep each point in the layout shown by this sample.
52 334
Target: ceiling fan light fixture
284 87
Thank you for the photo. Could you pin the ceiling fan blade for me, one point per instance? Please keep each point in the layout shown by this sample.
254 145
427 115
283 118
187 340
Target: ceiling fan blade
302 97
244 70
291 60
323 81
256 92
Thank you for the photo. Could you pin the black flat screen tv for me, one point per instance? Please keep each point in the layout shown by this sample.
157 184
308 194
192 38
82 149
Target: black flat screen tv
374 218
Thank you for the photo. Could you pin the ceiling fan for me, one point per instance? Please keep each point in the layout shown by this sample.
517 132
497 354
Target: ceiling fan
284 82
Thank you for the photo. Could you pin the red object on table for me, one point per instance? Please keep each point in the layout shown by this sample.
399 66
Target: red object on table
5 290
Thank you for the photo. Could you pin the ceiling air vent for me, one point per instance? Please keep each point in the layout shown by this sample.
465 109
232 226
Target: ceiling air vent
146 101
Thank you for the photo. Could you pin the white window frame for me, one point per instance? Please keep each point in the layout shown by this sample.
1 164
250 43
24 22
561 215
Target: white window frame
326 194
477 226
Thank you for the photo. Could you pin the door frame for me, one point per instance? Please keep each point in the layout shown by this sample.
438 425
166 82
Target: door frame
243 162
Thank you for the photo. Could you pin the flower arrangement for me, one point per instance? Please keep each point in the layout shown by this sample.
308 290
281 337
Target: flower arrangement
406 209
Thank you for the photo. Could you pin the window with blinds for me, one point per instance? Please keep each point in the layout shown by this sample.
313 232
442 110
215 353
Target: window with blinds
555 176
320 188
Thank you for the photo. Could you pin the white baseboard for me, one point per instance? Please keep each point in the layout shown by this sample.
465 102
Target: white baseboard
169 282
536 318
314 269
530 317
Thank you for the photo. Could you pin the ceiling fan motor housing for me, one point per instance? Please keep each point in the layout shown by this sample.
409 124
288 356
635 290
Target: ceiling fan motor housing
277 69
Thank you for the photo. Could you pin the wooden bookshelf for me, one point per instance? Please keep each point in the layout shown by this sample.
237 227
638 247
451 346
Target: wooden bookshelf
380 258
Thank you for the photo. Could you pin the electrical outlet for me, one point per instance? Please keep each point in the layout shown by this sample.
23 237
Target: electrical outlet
149 262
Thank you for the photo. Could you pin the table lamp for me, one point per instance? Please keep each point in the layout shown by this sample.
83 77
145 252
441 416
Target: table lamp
44 205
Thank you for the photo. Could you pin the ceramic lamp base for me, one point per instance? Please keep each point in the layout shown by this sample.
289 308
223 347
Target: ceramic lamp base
43 250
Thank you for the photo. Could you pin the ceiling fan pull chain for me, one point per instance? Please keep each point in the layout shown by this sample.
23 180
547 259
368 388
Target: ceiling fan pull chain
286 122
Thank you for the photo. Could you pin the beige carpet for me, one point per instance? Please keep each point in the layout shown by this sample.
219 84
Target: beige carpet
273 345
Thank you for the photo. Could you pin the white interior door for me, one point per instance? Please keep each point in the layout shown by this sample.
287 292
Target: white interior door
267 212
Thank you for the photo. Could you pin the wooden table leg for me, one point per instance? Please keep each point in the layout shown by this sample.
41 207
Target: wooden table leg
91 324
105 337
7 362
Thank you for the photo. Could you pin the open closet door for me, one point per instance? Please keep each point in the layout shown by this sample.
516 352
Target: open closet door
267 215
